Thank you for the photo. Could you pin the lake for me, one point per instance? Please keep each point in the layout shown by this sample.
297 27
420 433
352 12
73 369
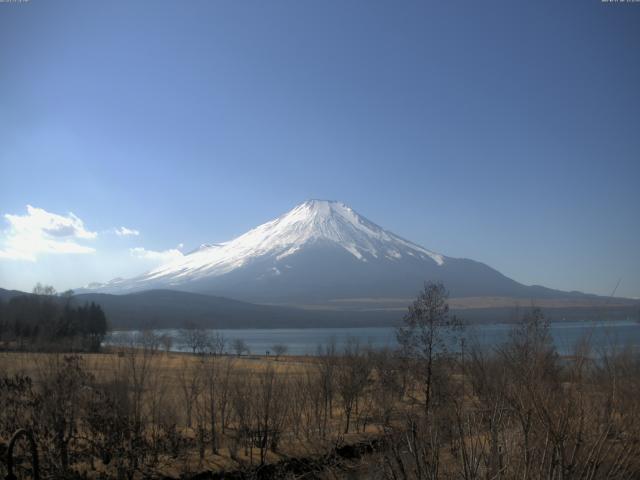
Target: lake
305 341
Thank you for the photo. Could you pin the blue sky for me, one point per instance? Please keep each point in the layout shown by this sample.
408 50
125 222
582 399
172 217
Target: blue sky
506 132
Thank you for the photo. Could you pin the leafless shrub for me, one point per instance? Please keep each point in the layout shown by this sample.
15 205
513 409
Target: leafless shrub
352 378
239 346
279 349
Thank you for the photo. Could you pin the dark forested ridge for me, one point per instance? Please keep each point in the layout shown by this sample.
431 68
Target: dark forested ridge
174 309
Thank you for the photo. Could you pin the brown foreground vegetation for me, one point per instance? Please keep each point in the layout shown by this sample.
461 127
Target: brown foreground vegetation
518 411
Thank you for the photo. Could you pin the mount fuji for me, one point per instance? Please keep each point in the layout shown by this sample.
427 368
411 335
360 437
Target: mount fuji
323 252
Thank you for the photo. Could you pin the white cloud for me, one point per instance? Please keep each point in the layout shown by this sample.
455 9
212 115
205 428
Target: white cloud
159 256
180 246
124 231
41 232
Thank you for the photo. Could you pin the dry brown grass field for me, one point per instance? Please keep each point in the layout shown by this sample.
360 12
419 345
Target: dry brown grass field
518 411
174 387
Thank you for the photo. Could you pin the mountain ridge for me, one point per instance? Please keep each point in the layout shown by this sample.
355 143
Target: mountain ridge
175 309
320 251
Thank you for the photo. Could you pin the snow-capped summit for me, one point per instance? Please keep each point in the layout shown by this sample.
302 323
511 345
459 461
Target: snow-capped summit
314 221
320 250
324 220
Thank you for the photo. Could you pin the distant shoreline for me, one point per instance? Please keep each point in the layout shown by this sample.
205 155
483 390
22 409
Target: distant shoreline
369 327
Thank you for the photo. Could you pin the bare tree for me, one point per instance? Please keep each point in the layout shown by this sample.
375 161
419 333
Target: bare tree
45 290
63 379
224 391
198 340
167 342
239 346
352 378
327 361
213 373
389 387
279 349
217 343
424 333
271 406
190 384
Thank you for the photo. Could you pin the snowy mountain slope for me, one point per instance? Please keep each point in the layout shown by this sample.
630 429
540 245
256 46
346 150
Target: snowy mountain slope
310 222
321 251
